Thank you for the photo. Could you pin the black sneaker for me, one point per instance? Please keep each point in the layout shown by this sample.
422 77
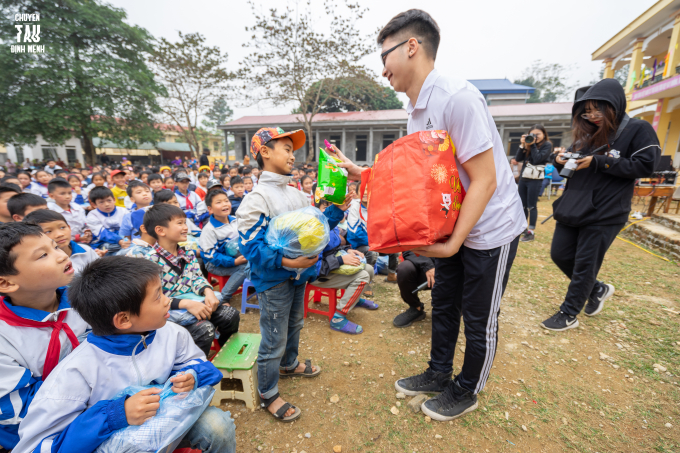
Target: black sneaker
453 402
560 321
595 303
427 382
527 237
410 316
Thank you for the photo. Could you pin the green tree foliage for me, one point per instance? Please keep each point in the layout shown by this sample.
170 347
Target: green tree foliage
220 112
92 79
368 94
195 78
620 74
294 50
549 79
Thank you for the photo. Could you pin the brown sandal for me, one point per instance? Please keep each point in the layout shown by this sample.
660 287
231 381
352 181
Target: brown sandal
308 372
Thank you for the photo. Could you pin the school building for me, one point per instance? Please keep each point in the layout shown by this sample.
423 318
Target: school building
650 47
362 135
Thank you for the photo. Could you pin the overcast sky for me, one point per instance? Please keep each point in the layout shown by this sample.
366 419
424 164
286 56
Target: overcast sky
482 39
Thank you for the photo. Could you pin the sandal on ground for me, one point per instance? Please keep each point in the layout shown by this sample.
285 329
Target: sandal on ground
308 372
367 304
347 327
280 414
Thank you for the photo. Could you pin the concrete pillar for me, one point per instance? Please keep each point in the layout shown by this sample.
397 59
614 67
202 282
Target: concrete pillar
343 143
502 134
608 70
369 151
401 132
245 151
673 48
635 64
317 143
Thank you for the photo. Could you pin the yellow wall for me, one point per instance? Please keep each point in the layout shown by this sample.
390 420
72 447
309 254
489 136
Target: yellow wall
670 144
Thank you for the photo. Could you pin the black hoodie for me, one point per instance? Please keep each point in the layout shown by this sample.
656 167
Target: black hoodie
601 194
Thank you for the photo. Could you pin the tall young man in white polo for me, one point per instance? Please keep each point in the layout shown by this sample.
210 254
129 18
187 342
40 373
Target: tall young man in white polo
472 267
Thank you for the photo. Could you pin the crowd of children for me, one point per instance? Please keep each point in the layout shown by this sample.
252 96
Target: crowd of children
81 253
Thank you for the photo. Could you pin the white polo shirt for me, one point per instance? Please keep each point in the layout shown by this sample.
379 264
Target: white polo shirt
457 107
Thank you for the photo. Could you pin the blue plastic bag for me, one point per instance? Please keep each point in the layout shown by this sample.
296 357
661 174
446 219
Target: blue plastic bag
303 232
231 248
381 265
177 413
182 316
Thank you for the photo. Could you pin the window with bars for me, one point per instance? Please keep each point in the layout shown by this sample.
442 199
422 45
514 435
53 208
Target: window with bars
49 153
336 140
19 151
387 140
361 147
71 154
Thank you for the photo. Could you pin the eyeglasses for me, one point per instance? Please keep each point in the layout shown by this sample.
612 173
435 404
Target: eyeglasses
383 56
594 115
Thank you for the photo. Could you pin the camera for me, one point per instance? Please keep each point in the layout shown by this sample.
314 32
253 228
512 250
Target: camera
570 166
529 139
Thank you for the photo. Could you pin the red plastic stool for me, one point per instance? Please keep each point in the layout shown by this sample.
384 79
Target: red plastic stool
186 450
318 293
214 347
221 281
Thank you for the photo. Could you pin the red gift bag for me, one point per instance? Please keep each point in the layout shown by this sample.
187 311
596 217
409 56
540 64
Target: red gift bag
414 193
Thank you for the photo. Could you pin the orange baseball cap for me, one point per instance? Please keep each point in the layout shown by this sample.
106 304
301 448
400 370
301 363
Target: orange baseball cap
267 134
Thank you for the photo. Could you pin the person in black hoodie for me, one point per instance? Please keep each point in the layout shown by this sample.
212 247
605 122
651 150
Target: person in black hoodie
596 201
534 156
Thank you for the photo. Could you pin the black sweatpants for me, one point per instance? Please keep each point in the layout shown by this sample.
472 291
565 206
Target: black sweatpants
579 252
226 319
528 192
470 283
409 277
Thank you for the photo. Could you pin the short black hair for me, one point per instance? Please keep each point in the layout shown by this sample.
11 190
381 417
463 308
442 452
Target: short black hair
94 175
225 176
247 170
236 180
18 203
155 176
416 23
203 175
9 187
160 215
111 285
163 196
210 196
100 193
132 184
11 235
43 216
57 183
169 177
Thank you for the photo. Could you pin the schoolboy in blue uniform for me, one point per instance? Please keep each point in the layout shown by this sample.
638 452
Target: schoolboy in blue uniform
34 273
280 291
131 344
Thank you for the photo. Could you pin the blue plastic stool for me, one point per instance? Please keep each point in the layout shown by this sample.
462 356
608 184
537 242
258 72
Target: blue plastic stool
244 297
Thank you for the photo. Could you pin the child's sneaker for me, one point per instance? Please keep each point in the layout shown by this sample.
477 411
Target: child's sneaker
344 325
367 304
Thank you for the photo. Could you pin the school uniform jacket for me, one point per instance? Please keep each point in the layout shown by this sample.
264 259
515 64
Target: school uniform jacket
81 256
189 207
74 411
271 197
105 227
357 234
75 217
214 236
22 360
39 189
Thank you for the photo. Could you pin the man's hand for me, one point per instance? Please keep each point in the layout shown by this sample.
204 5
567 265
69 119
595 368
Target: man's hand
353 170
240 260
142 406
345 206
351 260
211 300
430 277
124 243
86 237
200 310
300 263
183 383
584 163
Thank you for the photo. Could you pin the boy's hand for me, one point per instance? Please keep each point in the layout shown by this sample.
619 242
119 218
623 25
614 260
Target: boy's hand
86 237
351 260
124 243
355 252
345 205
211 300
300 263
200 310
240 260
100 252
183 383
142 406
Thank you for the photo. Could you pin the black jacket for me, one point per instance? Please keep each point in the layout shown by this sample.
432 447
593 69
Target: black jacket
420 262
538 155
203 160
601 194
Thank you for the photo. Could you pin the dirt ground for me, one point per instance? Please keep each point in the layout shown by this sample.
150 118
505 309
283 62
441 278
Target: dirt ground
591 389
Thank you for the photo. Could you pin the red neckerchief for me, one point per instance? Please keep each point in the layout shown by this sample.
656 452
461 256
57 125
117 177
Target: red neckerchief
54 348
187 201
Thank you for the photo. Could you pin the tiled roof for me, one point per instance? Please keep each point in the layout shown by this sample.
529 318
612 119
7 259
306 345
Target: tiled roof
487 86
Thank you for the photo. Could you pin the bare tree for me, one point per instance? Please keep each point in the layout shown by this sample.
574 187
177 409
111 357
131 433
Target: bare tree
302 60
194 76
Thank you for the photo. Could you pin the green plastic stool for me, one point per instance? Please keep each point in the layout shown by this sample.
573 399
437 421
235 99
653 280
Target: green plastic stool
237 362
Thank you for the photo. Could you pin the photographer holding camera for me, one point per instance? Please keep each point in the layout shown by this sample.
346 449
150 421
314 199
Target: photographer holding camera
534 150
612 151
